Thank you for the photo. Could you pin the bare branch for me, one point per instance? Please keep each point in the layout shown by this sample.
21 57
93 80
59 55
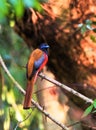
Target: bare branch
33 102
88 100
10 76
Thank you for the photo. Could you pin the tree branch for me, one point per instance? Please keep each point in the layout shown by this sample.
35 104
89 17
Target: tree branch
33 102
88 100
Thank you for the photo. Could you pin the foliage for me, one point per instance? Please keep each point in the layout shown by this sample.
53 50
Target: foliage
86 26
93 38
90 109
15 54
11 8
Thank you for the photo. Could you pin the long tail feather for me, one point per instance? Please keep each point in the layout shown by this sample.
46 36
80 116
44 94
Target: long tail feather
28 95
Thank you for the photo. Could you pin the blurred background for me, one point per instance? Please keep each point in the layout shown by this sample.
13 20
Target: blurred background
15 54
69 27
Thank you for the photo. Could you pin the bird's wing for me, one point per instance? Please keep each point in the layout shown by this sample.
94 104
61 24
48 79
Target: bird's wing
39 62
35 60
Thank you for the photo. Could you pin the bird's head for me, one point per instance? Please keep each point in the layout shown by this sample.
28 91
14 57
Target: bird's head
44 47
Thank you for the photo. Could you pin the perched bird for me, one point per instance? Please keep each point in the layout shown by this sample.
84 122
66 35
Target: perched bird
36 62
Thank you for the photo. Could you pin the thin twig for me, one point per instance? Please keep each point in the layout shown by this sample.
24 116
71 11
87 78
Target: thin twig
88 100
44 89
72 124
19 122
33 102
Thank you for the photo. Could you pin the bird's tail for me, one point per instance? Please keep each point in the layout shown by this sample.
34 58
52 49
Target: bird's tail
28 95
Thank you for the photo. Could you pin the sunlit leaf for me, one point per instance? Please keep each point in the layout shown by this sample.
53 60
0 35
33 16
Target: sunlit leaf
7 119
37 6
88 110
94 103
12 113
89 27
3 10
80 25
3 7
29 3
33 3
12 23
18 7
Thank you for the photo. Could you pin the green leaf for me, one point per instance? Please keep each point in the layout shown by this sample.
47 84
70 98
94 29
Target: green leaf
93 38
89 27
7 119
3 7
29 3
94 103
37 6
18 7
88 110
3 10
83 29
80 25
34 4
88 22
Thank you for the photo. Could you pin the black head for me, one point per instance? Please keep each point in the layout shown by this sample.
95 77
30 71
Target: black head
44 47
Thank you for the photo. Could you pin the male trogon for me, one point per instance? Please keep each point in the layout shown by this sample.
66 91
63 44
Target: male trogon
36 62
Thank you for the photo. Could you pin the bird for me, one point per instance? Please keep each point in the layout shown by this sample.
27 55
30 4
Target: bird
37 60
